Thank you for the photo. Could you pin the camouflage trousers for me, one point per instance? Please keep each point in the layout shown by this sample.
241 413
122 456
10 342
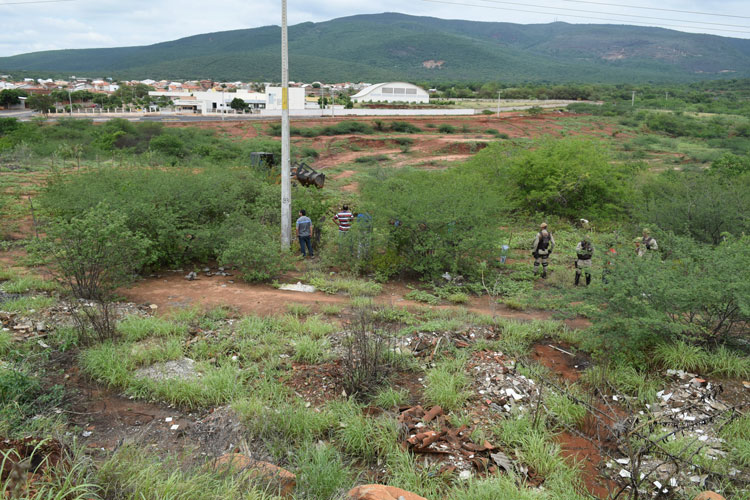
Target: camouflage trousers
583 266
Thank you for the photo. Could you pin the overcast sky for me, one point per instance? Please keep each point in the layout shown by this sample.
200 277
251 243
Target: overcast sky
28 27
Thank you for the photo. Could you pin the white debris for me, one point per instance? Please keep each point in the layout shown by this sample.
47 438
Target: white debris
623 461
174 427
624 473
299 287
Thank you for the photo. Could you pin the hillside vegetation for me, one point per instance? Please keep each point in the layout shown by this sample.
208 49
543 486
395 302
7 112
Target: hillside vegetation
395 46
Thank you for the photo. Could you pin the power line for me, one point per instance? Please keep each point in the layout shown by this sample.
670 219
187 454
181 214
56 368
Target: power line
616 14
657 8
580 16
34 1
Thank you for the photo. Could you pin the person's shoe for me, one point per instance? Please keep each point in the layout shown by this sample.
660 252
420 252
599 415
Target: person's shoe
588 279
578 278
544 274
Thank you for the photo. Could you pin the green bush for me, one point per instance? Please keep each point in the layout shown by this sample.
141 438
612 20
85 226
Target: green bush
94 253
180 211
405 127
569 177
254 249
446 128
699 293
430 222
701 205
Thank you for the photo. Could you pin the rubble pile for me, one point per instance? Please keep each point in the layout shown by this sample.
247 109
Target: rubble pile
36 324
430 433
688 410
499 385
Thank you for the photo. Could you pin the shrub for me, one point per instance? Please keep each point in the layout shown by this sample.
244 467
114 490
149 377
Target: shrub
254 249
422 225
535 111
366 364
405 127
566 177
697 294
180 211
446 128
700 205
94 254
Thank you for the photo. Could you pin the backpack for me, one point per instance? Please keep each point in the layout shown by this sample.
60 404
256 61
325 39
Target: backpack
544 241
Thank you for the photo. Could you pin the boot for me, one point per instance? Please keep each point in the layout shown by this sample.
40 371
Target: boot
544 272
578 278
588 279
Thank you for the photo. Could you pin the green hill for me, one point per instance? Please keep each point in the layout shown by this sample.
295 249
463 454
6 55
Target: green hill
396 46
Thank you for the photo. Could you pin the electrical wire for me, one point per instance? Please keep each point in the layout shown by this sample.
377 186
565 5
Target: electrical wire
657 8
34 1
616 14
583 17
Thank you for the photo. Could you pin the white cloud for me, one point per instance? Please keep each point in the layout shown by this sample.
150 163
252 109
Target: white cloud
112 23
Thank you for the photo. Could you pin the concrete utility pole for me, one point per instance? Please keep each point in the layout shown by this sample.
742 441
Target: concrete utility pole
333 100
498 102
632 102
70 98
286 181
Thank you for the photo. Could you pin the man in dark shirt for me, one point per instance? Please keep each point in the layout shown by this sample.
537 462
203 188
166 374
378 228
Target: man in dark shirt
304 231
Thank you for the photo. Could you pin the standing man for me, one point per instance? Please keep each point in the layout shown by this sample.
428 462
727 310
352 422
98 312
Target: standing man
343 219
584 252
544 243
304 231
647 244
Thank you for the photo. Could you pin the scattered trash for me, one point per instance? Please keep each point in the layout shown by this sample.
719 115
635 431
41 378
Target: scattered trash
499 385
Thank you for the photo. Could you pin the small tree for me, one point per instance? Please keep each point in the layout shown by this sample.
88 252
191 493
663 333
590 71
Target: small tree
41 103
238 104
92 255
9 97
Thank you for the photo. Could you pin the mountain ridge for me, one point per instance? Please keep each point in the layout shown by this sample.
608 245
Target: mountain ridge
389 46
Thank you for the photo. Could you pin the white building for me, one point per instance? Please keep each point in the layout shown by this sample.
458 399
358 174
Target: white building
215 102
392 92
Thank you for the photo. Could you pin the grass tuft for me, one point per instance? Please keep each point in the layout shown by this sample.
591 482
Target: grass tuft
446 384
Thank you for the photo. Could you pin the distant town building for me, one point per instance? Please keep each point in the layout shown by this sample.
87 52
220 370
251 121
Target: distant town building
392 92
214 101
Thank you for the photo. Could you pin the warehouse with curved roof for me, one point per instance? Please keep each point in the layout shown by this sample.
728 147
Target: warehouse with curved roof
392 92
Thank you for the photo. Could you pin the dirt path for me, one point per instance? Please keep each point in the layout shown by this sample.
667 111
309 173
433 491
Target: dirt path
172 290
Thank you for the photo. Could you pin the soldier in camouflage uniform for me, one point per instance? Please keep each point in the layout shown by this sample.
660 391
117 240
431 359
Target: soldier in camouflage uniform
584 252
544 243
647 244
